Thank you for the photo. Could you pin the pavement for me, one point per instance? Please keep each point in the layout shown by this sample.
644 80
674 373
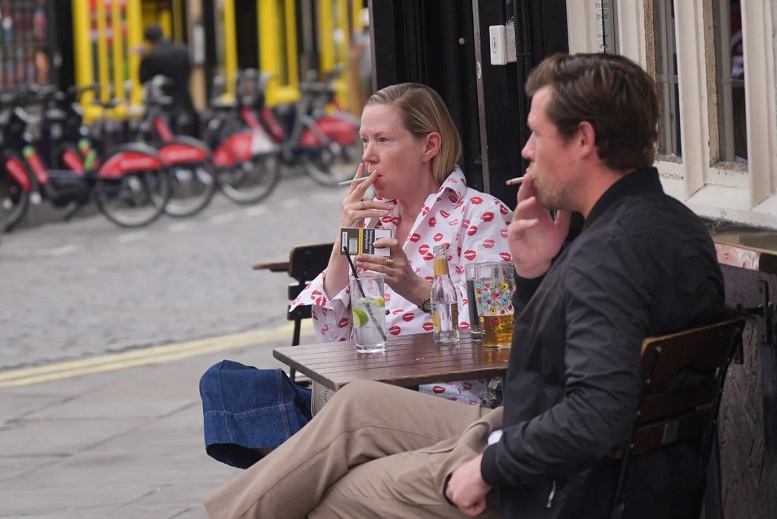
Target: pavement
118 435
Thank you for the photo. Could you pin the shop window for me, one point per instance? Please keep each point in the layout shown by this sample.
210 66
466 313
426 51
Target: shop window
730 81
23 43
669 141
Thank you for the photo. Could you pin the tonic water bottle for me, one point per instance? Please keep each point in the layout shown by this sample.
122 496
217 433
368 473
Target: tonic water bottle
445 309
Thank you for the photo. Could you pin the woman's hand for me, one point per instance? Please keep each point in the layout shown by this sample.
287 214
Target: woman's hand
356 207
534 237
396 270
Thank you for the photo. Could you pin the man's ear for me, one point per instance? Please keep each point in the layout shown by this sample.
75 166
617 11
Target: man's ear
586 138
432 143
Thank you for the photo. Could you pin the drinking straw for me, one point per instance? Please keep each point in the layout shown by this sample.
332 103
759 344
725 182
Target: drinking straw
361 291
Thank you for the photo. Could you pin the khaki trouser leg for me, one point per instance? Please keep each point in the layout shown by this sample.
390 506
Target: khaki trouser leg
410 484
364 421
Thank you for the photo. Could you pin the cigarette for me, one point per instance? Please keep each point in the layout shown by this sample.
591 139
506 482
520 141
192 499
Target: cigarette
352 181
514 181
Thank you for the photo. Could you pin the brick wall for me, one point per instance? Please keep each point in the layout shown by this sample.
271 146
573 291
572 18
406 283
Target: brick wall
744 491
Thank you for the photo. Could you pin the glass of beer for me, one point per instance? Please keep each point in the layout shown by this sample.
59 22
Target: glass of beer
494 288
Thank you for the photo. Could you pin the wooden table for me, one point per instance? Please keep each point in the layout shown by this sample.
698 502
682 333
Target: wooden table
408 361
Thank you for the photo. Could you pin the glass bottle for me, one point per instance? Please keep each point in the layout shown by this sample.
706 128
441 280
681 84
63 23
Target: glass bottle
445 309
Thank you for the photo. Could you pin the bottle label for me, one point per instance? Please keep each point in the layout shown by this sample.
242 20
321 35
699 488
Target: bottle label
440 266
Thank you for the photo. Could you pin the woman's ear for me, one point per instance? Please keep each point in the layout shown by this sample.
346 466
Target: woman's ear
432 143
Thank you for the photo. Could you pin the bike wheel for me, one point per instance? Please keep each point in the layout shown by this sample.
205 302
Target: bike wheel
251 181
193 187
14 201
133 199
332 163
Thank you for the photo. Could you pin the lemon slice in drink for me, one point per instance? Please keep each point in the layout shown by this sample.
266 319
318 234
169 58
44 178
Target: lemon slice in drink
359 317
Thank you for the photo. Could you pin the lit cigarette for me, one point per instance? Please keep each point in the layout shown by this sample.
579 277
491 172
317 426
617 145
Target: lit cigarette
352 181
514 181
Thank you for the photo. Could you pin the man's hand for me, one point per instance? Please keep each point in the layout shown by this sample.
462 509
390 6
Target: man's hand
533 236
466 488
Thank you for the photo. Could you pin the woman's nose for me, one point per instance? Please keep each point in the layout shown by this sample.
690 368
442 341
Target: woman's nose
367 153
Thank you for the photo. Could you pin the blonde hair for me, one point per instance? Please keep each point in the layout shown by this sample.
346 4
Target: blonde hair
423 111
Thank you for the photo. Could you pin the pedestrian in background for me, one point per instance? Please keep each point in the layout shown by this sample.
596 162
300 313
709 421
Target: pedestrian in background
167 58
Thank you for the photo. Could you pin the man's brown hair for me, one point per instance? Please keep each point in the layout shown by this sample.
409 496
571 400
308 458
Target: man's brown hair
610 92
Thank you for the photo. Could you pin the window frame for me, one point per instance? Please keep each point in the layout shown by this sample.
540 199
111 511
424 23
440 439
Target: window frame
743 193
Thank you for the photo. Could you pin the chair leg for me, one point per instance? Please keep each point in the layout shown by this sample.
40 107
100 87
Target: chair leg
295 342
296 333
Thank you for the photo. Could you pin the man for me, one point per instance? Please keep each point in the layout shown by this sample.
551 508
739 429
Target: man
167 58
642 265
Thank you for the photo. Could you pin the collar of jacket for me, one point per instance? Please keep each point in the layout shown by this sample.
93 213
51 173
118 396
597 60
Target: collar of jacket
641 181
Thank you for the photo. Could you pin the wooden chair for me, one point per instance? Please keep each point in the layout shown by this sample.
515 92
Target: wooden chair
305 263
667 414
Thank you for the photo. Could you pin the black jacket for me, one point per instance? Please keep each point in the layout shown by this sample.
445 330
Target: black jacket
171 60
643 265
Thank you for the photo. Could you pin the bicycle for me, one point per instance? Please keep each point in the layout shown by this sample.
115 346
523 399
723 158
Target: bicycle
326 145
15 182
189 159
130 187
246 160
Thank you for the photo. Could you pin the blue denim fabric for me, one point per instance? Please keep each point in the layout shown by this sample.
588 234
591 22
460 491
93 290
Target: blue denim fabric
246 408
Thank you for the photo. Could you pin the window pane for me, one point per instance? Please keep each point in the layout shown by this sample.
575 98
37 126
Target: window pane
666 77
730 81
610 26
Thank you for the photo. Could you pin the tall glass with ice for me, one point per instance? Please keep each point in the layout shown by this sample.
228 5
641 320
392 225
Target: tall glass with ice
368 312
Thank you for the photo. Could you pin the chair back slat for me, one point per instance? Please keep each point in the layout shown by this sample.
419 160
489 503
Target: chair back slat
700 350
307 261
666 405
666 432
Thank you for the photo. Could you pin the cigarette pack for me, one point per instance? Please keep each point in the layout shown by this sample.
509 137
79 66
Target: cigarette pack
362 241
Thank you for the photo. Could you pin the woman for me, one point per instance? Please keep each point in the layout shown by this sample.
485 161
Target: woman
411 147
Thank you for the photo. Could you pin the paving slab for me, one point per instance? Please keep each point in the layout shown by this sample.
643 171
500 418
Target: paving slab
122 444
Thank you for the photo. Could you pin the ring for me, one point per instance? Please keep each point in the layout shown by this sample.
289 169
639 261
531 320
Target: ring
361 205
389 262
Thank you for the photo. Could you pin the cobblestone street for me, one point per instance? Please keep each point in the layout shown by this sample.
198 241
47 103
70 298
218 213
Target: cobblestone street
85 287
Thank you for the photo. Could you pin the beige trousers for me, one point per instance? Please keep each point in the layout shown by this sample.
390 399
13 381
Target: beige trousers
374 450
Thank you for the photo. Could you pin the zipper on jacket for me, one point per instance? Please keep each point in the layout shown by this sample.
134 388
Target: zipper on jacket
551 495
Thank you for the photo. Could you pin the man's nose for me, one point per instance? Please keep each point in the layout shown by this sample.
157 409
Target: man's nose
528 151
